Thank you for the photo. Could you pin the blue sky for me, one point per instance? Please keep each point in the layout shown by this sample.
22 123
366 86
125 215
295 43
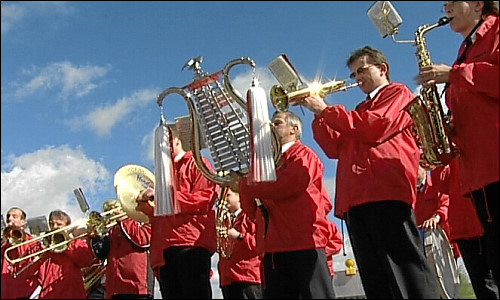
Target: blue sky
79 80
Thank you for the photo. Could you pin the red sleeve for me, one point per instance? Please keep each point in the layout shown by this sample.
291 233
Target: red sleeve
199 194
248 231
139 234
440 181
80 253
479 76
249 206
385 118
327 138
334 244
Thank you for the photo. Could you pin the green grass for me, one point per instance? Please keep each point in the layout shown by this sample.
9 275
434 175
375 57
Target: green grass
466 291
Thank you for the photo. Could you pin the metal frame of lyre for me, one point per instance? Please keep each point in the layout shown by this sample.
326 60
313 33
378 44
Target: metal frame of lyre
220 113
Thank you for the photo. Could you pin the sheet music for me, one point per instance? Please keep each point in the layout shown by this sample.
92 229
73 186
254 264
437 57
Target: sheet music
285 73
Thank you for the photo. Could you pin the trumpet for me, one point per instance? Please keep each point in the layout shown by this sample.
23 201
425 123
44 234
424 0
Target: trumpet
281 98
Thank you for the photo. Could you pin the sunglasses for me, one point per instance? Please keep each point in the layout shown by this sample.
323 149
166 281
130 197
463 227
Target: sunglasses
360 71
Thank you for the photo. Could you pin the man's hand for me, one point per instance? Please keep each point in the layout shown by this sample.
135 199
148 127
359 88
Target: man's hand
431 223
145 202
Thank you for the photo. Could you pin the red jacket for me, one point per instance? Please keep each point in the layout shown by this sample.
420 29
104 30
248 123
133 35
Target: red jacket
432 201
377 154
244 263
195 224
60 275
20 287
127 267
462 216
472 98
297 202
333 246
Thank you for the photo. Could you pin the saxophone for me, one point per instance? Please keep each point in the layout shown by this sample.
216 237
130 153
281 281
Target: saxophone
431 125
223 222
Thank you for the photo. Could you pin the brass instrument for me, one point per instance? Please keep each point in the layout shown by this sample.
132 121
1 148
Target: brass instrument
219 119
93 274
14 235
431 124
58 240
223 222
281 98
129 181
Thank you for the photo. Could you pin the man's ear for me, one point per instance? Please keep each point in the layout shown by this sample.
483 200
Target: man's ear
478 6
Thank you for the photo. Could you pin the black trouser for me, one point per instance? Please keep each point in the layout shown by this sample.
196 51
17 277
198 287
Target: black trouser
480 273
242 290
186 273
486 201
389 251
297 275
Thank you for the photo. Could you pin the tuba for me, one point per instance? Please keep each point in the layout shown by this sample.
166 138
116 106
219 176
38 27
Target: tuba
431 124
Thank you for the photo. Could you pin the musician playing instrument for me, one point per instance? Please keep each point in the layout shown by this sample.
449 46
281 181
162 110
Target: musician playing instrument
431 208
239 274
376 175
126 249
15 287
295 264
182 244
473 100
59 273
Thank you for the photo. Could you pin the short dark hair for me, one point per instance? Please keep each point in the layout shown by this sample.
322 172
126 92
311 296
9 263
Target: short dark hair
490 7
375 55
60 214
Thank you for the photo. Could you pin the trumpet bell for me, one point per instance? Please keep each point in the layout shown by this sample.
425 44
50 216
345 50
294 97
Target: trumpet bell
129 181
279 98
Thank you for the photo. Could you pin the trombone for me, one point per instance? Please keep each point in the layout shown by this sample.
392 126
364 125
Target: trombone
57 240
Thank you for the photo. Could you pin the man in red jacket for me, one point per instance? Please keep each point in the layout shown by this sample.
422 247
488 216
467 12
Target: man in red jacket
376 179
472 97
295 264
182 244
239 274
59 273
16 287
126 249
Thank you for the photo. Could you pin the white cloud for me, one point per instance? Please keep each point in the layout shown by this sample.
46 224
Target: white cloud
103 119
11 15
44 180
14 14
75 81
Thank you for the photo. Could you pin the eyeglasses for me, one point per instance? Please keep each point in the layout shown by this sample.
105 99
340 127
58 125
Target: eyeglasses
447 5
360 71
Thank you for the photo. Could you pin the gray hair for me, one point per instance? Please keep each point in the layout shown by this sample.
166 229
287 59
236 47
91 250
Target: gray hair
292 120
